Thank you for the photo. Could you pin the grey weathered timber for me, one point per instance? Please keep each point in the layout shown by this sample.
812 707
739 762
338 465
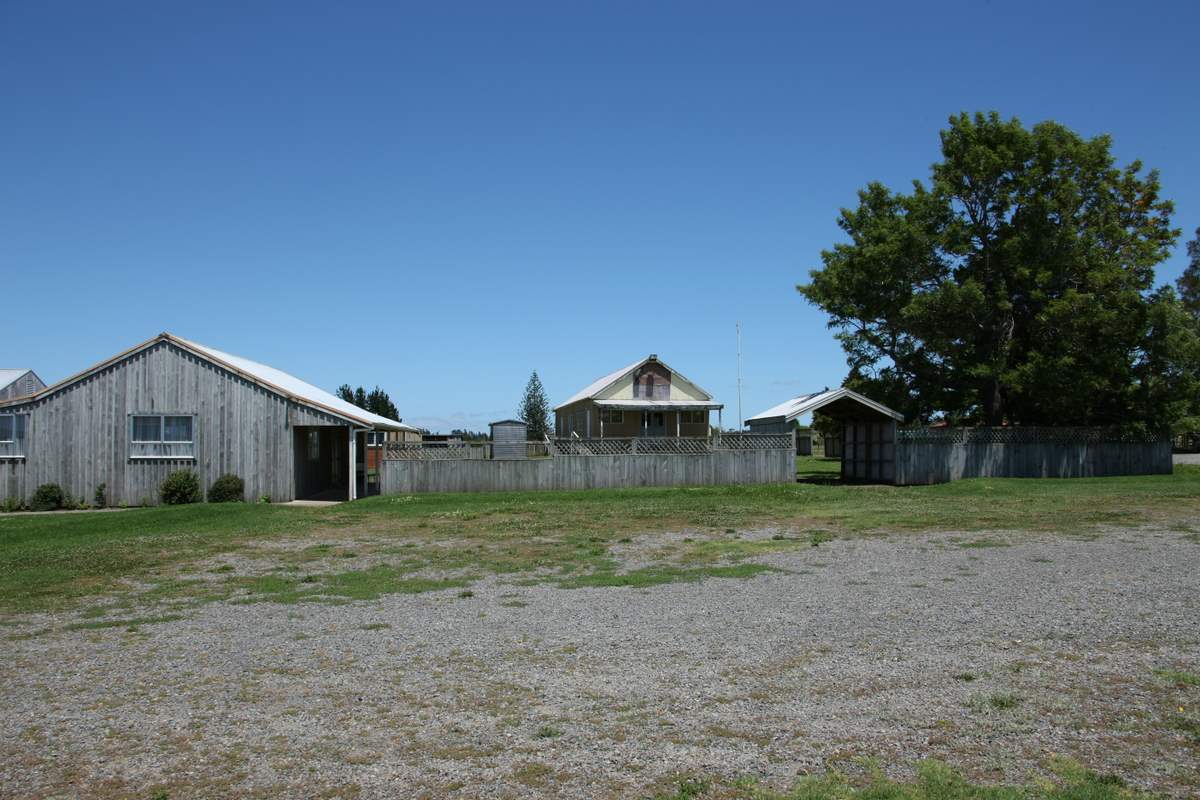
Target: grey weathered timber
26 383
925 462
508 440
78 435
718 468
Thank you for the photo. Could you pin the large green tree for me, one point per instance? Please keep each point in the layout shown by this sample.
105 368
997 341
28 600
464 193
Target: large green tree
1189 282
1017 286
535 409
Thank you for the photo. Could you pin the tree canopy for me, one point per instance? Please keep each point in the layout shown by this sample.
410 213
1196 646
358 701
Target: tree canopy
535 409
376 401
1016 287
1189 282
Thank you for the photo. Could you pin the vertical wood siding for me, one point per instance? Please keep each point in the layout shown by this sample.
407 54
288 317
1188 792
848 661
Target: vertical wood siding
722 468
940 462
79 436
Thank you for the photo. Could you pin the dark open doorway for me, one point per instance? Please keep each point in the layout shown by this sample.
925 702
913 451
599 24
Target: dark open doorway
321 462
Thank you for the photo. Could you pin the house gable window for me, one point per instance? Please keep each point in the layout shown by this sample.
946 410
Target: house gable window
166 436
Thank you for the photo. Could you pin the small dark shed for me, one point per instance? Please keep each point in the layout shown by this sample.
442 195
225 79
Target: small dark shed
508 440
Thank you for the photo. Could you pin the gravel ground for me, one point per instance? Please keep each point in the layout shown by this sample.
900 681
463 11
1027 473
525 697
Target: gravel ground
900 648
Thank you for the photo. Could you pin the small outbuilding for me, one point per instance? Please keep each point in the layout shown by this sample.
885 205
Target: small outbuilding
508 440
16 383
868 429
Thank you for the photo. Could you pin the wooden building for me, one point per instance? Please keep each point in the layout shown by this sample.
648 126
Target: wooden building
646 398
868 441
16 383
170 404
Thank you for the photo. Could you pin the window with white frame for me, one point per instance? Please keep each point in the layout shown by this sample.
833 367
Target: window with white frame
612 416
376 438
12 435
161 436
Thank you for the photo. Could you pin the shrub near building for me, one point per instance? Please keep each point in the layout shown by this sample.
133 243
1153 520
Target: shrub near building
181 487
228 488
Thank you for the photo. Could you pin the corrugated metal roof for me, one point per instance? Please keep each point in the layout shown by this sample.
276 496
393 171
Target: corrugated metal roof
799 406
298 388
667 404
600 384
597 386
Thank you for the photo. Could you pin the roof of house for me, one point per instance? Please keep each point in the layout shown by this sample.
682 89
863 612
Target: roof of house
270 378
7 376
799 406
600 384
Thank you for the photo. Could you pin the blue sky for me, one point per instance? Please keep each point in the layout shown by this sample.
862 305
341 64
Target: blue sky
440 198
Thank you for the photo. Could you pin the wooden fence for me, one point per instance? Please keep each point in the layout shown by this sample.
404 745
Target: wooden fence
924 456
600 464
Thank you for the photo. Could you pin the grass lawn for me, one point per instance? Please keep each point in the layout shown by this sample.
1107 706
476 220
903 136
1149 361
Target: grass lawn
416 543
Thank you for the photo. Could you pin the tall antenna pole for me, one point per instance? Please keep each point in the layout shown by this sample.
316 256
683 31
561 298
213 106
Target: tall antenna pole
739 372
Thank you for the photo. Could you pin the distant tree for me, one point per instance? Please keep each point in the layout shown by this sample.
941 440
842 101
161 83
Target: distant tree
469 436
376 401
1189 282
535 409
1018 286
379 403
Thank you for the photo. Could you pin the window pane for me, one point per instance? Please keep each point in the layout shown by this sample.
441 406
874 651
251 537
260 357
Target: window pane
177 429
7 424
147 429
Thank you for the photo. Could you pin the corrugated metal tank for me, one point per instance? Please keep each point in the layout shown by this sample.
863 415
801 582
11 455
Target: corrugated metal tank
508 440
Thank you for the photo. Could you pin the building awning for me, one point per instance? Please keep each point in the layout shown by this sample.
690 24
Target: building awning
660 405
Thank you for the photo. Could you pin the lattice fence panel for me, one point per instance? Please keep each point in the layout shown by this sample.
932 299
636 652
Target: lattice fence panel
1022 435
668 446
756 441
593 447
430 451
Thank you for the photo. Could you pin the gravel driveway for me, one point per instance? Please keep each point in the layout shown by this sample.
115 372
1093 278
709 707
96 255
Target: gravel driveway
991 652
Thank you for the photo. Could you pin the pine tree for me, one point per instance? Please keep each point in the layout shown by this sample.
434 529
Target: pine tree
535 409
346 393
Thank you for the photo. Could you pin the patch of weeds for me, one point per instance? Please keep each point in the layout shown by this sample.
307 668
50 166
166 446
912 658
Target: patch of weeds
532 773
221 569
817 538
1000 701
1042 560
375 626
686 788
965 677
130 624
465 594
984 543
1188 726
547 732
655 576
1178 677
514 604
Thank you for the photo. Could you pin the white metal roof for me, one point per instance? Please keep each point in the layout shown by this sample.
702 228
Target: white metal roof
600 384
799 406
667 404
7 376
298 388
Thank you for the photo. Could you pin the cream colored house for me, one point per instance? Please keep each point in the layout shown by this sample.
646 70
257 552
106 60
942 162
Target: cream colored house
647 398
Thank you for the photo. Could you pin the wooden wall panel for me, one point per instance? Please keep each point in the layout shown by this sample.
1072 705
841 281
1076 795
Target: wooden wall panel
78 436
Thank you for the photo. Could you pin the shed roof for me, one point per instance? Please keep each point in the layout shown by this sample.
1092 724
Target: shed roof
294 387
508 422
805 403
600 384
270 378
